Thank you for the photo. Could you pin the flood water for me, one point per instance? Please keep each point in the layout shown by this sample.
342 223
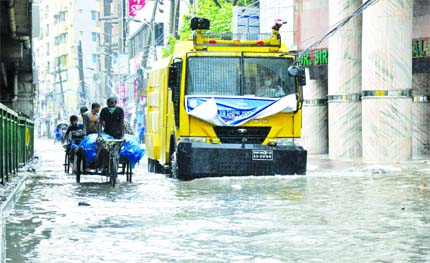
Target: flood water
338 212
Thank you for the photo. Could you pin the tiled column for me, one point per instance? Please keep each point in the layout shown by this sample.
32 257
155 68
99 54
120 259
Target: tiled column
344 83
314 127
387 81
421 116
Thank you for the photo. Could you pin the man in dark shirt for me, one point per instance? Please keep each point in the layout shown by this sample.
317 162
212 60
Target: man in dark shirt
112 119
73 125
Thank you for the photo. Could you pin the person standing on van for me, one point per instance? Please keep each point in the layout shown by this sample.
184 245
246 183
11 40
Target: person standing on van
112 119
82 111
91 119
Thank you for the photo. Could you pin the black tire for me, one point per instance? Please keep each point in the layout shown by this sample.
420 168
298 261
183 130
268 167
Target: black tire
78 169
129 172
125 170
67 162
159 169
113 171
151 167
173 165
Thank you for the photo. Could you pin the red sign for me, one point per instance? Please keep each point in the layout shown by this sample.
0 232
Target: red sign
121 93
135 6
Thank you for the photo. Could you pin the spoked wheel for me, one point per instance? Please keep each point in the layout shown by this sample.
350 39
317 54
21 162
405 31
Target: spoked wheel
128 171
78 168
67 162
113 171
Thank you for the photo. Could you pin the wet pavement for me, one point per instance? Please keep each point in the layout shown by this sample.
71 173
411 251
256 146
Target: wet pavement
338 212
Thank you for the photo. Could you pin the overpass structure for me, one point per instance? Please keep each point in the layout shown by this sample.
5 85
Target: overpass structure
17 90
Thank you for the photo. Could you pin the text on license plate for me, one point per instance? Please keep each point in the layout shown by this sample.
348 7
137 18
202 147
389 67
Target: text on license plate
262 155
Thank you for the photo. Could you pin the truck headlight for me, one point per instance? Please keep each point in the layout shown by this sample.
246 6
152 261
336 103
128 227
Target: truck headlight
193 139
285 141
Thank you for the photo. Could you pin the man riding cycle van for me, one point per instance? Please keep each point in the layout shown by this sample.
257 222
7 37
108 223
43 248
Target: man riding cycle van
112 119
73 125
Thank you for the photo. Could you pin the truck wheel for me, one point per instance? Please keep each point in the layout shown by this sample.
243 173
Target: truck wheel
159 169
151 168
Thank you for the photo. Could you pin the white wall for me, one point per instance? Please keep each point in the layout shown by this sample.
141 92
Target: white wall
274 9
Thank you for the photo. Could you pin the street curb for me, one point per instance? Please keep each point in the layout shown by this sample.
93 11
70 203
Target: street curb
5 209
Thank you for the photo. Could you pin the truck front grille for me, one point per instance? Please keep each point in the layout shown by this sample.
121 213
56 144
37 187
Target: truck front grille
241 134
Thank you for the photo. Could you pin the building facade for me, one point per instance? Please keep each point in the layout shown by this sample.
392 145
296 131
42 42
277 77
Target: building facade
368 88
66 58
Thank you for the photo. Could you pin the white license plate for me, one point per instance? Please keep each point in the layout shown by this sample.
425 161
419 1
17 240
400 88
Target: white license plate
262 155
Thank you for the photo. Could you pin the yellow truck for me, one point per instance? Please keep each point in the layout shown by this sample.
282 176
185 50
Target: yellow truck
225 105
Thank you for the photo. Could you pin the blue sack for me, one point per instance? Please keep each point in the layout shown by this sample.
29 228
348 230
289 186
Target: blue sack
131 150
89 145
57 135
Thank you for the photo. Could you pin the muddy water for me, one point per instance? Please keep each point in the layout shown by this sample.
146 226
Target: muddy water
338 212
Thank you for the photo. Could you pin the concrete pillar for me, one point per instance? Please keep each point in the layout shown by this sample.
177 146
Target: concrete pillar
344 83
420 83
387 81
421 116
314 112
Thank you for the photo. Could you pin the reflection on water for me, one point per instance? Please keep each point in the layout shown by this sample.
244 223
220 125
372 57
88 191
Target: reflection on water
338 212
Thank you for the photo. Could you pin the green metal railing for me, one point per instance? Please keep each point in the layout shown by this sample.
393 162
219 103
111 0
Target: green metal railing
16 142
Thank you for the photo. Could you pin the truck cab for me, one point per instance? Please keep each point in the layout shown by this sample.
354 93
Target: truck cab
225 105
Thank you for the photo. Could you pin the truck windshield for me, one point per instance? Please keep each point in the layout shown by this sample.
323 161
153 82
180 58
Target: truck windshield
238 76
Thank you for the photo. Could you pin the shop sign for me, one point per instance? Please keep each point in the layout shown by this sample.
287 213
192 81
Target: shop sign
134 6
315 57
420 48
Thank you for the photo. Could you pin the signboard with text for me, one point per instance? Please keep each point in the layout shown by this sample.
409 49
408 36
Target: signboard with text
420 47
315 57
120 63
134 6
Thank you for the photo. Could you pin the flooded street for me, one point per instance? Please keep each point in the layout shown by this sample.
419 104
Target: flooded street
336 213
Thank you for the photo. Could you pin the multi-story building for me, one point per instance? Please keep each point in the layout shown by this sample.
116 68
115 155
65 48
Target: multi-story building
367 96
65 84
145 42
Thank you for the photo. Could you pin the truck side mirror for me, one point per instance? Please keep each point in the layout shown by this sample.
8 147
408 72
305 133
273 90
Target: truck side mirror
299 73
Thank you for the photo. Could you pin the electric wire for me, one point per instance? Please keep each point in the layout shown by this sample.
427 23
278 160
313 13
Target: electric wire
336 27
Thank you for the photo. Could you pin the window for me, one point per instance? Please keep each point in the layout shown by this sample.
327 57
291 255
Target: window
267 76
93 15
63 38
94 36
213 76
159 34
230 76
94 56
56 18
